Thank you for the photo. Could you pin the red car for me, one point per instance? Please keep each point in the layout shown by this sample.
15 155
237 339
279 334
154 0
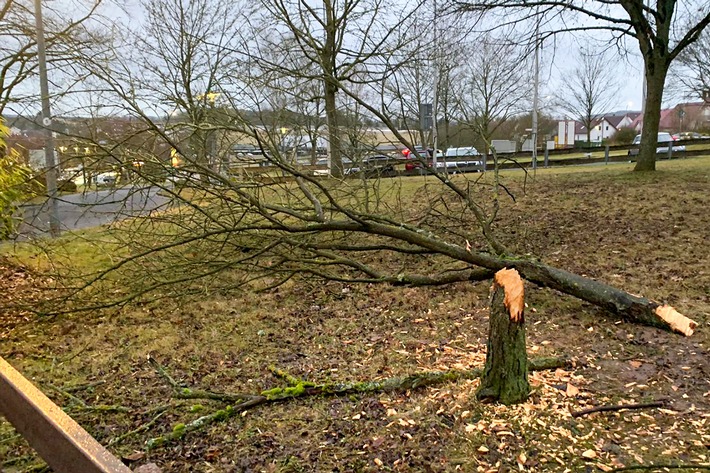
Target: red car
415 162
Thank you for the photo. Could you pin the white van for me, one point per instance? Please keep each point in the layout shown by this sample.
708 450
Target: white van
106 179
459 159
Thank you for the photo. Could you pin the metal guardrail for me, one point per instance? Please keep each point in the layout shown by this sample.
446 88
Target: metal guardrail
59 440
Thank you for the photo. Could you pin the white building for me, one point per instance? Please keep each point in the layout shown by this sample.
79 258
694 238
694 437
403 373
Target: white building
571 131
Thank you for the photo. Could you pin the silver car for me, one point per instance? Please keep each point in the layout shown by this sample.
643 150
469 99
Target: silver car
663 141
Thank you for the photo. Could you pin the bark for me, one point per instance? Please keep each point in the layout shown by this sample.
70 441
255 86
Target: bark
656 71
330 88
505 376
336 158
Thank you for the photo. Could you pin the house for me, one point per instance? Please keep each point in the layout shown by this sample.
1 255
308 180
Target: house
691 116
603 127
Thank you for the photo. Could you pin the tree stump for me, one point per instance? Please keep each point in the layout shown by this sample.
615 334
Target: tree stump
505 376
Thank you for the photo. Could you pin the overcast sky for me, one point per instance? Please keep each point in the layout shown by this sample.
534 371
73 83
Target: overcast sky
558 57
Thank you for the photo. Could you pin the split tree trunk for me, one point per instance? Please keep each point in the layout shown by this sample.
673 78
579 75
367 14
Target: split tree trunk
505 376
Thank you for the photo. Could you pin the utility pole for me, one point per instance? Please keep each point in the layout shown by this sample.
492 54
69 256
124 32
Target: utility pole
536 86
434 124
51 168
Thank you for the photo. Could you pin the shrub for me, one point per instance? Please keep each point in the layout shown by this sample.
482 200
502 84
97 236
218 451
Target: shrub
624 136
15 186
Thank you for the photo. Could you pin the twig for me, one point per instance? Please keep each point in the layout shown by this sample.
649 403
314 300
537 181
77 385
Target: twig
81 405
291 380
618 407
187 393
671 466
140 429
81 387
303 388
161 371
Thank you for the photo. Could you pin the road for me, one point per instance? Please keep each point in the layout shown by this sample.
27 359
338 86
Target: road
92 208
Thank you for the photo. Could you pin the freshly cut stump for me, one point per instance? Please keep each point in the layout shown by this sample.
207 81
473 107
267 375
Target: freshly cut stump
505 376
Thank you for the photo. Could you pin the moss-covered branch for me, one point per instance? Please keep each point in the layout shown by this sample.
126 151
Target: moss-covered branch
300 388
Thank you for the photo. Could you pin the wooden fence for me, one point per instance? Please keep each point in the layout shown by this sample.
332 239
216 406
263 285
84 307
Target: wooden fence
59 440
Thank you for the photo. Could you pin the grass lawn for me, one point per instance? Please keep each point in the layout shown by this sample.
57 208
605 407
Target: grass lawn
647 233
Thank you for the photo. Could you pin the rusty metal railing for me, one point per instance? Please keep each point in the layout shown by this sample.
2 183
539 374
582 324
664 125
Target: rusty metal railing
59 440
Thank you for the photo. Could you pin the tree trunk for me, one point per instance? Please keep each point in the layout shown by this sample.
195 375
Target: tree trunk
336 158
656 71
330 88
505 377
627 306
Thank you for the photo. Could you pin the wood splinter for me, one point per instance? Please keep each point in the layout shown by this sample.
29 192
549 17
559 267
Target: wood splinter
514 301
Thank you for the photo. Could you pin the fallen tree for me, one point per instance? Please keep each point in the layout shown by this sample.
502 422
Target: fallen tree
224 229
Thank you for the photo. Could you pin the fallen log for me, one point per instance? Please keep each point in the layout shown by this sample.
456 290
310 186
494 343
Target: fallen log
617 407
627 306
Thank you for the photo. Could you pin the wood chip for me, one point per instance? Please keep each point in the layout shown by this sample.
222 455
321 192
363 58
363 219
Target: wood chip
589 454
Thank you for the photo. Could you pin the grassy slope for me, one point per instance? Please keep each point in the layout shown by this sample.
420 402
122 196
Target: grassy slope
645 233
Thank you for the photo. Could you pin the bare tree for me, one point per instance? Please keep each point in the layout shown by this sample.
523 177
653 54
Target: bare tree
262 229
694 71
590 90
337 37
66 39
661 31
491 86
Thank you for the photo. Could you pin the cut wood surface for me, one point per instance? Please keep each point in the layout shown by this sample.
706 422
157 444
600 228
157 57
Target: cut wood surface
677 321
514 290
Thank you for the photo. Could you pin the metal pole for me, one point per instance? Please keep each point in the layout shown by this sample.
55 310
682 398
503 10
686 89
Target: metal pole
434 127
535 90
51 169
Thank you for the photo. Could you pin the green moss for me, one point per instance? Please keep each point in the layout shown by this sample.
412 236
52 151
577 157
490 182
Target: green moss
155 442
179 430
282 393
197 408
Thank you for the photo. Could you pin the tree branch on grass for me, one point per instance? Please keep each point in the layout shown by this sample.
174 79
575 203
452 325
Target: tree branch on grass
619 407
299 388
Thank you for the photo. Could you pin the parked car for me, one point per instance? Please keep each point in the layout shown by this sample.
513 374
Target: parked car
459 159
664 140
461 152
106 179
373 166
690 135
415 163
